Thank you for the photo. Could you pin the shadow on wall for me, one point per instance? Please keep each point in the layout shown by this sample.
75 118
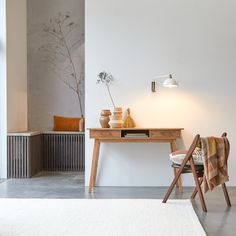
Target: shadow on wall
56 71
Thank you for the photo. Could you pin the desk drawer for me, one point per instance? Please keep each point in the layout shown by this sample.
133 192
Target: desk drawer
106 134
165 134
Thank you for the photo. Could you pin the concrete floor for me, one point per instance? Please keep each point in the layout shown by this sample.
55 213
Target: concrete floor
218 221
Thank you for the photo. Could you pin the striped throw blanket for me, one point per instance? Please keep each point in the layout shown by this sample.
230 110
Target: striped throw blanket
215 152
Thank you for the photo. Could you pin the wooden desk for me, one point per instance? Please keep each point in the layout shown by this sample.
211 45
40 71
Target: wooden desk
108 135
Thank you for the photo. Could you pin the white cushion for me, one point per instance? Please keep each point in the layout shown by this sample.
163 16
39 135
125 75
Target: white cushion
178 157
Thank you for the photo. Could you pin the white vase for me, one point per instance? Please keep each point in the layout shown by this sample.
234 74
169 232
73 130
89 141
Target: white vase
116 118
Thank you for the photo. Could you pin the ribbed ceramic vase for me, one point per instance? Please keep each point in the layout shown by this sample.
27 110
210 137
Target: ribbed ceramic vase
105 118
116 118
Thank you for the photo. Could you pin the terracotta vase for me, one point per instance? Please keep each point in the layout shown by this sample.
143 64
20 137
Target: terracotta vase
116 118
82 124
105 118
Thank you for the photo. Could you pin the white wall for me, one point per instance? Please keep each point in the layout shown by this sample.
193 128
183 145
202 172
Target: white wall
16 65
136 40
13 73
3 94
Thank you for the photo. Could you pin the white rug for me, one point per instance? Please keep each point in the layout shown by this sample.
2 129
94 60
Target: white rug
97 217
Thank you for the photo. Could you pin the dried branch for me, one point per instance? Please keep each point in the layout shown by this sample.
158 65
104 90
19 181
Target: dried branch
59 31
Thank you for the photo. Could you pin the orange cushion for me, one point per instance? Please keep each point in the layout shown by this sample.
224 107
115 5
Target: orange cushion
66 123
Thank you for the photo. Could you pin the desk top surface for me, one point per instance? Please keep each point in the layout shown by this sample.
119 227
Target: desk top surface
135 134
136 128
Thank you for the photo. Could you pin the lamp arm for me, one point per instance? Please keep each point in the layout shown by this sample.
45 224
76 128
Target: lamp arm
163 76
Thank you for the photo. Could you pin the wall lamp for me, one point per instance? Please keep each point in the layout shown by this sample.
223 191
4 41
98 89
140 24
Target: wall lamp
169 82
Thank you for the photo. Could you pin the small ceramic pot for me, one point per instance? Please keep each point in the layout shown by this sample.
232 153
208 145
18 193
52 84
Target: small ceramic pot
105 118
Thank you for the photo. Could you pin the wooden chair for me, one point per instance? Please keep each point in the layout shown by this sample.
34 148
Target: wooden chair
198 173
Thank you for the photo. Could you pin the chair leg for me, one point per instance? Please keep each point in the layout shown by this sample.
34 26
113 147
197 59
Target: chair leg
179 182
195 190
188 155
199 190
177 176
226 195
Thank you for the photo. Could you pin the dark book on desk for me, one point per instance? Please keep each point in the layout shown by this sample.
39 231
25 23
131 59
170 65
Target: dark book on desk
133 133
136 136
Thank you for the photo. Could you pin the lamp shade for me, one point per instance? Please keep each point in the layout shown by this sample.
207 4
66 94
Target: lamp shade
170 82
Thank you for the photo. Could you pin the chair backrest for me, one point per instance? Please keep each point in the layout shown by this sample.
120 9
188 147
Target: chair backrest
224 135
194 145
192 148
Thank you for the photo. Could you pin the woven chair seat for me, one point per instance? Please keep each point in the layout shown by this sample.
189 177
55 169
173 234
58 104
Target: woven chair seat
187 168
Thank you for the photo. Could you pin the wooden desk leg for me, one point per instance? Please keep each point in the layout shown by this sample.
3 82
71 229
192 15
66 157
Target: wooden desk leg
93 172
173 148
